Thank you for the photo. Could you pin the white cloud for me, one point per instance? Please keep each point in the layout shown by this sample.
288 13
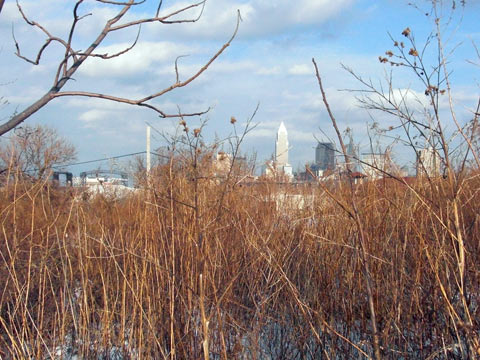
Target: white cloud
88 103
259 17
218 67
29 95
120 127
301 137
274 70
301 69
270 16
144 57
10 13
263 133
96 115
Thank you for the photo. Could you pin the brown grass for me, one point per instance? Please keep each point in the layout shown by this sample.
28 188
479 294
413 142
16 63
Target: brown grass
196 269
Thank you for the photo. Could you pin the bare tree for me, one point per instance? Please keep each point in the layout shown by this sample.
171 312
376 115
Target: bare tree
73 58
34 150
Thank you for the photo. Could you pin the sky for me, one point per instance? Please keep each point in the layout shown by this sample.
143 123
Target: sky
267 64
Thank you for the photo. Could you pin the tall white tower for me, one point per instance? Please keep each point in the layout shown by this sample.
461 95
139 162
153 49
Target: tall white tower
281 146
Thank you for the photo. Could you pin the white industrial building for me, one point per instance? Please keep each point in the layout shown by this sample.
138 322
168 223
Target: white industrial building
375 164
428 162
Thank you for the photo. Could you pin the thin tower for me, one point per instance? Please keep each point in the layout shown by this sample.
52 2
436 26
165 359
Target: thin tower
281 146
148 151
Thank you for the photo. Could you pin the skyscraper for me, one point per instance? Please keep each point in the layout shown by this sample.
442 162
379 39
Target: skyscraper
325 156
281 146
280 166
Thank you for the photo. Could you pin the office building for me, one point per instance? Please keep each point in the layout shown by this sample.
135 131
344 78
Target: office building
325 156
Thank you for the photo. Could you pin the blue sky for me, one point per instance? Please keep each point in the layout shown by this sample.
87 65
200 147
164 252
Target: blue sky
268 63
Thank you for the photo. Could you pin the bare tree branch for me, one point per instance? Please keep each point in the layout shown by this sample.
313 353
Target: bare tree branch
199 72
76 19
159 7
163 19
50 39
73 59
106 56
120 2
176 67
127 101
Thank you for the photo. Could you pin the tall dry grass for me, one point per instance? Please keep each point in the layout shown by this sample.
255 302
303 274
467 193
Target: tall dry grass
195 268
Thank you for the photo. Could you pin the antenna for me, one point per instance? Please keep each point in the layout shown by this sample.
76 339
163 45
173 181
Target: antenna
149 164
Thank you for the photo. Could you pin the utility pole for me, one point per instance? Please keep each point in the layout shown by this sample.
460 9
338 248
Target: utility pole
149 164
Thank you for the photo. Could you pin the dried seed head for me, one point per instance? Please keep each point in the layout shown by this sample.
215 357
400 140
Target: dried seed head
233 120
432 89
389 53
413 52
382 59
196 132
406 32
183 123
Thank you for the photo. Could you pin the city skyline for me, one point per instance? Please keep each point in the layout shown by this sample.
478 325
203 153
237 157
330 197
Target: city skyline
323 156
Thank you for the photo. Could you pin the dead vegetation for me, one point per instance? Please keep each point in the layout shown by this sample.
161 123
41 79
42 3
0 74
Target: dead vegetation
192 269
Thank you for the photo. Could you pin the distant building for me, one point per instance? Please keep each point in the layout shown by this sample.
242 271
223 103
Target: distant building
318 171
280 166
428 162
108 182
222 163
325 156
281 146
374 164
352 155
268 169
68 178
352 152
103 177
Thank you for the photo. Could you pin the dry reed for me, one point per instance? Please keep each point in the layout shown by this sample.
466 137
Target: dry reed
191 268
